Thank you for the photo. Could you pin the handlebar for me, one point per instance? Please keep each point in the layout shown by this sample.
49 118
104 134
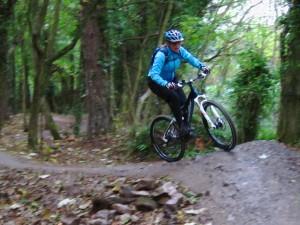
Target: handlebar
201 76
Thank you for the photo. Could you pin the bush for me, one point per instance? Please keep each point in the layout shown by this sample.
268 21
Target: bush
251 91
139 143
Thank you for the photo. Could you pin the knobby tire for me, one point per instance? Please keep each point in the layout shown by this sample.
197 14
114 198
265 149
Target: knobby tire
160 147
225 117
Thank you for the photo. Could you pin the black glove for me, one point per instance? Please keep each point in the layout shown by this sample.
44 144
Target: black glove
205 70
171 85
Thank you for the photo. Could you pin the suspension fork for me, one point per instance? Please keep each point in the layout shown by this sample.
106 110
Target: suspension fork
200 104
165 133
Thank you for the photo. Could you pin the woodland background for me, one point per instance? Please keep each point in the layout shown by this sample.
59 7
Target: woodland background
90 58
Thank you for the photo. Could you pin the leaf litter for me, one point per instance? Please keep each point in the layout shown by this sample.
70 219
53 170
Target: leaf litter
64 198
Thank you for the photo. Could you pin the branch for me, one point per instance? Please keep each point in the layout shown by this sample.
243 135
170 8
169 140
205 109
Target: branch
127 4
141 102
28 16
165 21
53 28
216 6
6 9
57 68
225 47
36 45
39 18
141 37
10 5
67 48
246 12
219 55
228 44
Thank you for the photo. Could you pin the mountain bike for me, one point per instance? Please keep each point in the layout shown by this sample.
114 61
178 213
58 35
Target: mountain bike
165 133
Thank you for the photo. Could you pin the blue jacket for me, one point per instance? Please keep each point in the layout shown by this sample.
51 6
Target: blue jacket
162 73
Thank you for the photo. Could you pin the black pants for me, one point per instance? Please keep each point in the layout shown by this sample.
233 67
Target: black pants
175 98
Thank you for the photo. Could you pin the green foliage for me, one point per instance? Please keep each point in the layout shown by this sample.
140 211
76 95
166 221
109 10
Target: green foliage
193 153
77 112
198 128
251 91
132 29
265 133
139 140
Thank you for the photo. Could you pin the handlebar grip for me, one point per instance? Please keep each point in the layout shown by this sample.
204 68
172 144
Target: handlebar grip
179 85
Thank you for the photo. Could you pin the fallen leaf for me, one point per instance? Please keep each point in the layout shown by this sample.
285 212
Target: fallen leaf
263 156
44 176
195 211
15 206
66 201
85 205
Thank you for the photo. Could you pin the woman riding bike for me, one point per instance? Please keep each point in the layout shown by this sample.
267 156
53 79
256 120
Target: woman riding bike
162 79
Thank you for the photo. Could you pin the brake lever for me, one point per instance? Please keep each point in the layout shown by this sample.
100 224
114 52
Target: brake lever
181 83
202 75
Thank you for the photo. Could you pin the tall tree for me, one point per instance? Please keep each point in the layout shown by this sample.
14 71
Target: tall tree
45 53
24 92
6 9
289 118
94 50
37 14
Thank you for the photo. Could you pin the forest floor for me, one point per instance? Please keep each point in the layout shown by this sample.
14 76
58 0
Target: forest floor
81 182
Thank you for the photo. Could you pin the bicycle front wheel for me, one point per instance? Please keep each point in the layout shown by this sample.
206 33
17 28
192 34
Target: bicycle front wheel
165 138
222 132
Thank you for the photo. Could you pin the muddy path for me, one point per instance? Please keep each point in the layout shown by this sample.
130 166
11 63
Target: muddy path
256 184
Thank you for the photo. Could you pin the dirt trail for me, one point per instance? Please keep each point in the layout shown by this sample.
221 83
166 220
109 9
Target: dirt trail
256 184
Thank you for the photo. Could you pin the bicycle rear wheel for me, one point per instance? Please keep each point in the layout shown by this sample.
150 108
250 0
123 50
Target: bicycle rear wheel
165 138
224 133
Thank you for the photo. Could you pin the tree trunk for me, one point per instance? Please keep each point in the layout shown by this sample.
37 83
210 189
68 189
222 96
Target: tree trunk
79 100
24 84
93 51
49 122
37 17
44 55
138 106
6 8
289 118
3 73
13 104
35 106
165 22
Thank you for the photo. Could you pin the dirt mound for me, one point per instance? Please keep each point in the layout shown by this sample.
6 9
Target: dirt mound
258 183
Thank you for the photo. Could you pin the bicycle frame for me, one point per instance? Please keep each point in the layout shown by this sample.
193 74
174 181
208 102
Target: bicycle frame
199 98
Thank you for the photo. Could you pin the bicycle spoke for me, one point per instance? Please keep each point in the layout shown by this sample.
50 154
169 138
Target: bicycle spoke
223 132
165 139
